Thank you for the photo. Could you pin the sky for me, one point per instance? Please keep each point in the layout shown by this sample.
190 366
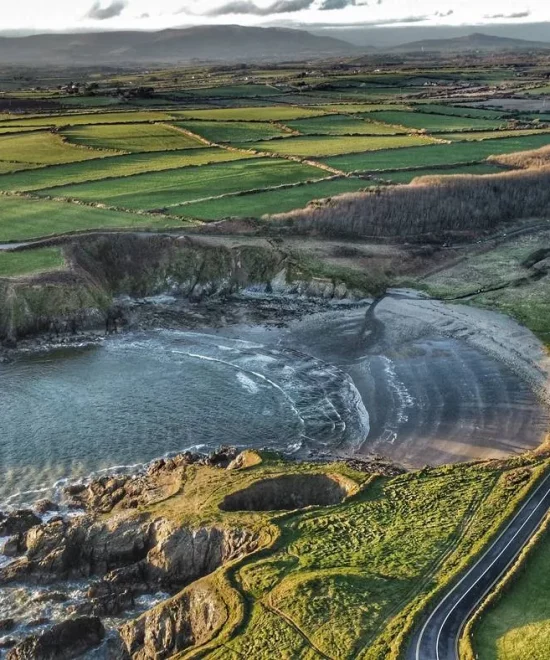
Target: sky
62 15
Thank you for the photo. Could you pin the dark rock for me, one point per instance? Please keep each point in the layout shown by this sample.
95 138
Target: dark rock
45 506
75 489
6 625
51 597
35 623
13 546
223 456
18 522
61 642
7 642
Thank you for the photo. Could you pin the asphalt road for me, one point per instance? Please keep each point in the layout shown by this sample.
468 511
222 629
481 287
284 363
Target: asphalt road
437 638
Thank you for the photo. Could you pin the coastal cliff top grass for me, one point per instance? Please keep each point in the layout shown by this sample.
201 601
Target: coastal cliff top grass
29 262
346 580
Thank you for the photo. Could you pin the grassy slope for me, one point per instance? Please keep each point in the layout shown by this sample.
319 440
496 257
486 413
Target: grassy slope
271 113
518 626
120 166
342 125
342 579
159 189
23 219
30 261
406 176
131 137
88 118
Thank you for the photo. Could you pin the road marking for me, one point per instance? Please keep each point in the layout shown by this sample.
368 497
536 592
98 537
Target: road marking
504 531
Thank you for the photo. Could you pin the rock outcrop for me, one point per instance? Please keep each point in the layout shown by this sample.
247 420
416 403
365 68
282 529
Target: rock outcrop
64 641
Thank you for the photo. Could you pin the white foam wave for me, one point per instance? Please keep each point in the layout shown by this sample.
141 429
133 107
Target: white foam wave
248 384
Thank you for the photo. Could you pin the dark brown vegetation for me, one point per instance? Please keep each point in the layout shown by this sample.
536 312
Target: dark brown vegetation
431 207
524 159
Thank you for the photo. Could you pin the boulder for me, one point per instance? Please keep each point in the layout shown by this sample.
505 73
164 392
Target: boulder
18 522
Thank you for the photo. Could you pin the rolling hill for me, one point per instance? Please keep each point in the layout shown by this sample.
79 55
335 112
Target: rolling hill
472 42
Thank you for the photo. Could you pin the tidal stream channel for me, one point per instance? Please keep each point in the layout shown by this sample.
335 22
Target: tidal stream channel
398 378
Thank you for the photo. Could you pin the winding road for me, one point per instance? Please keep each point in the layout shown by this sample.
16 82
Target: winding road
438 637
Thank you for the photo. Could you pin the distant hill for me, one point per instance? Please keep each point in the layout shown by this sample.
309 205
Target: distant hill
476 41
225 43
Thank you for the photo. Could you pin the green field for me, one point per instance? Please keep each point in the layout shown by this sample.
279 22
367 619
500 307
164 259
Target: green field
438 154
115 167
241 91
359 108
342 125
436 123
490 135
131 137
232 131
78 119
313 147
458 111
518 626
23 219
406 176
28 262
255 205
16 129
44 148
162 189
262 113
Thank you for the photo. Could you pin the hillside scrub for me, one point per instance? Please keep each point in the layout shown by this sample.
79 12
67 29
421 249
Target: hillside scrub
431 205
524 159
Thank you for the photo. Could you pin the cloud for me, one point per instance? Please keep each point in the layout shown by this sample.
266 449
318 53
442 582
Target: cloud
327 5
250 8
442 14
519 14
99 13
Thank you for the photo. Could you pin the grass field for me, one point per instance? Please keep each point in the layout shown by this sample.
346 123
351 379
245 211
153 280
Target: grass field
342 125
436 123
115 167
23 219
232 131
28 262
162 189
313 147
359 108
235 91
262 113
518 626
44 148
77 119
131 137
490 135
457 111
406 176
341 580
255 205
433 155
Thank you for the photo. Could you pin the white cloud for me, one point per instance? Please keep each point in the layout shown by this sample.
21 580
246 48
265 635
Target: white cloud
157 14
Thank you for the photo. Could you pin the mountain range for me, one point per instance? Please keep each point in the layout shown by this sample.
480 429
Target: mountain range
222 43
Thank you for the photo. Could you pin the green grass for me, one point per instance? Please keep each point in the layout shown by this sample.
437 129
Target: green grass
313 147
161 189
239 91
457 111
433 123
131 137
16 129
438 154
518 626
27 262
78 119
342 125
23 219
342 579
264 113
269 202
359 108
44 148
115 167
407 176
232 131
490 135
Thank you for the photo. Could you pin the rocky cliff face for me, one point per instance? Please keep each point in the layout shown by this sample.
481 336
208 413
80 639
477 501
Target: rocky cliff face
102 267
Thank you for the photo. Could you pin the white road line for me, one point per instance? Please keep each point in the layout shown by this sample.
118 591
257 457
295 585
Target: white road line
449 594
